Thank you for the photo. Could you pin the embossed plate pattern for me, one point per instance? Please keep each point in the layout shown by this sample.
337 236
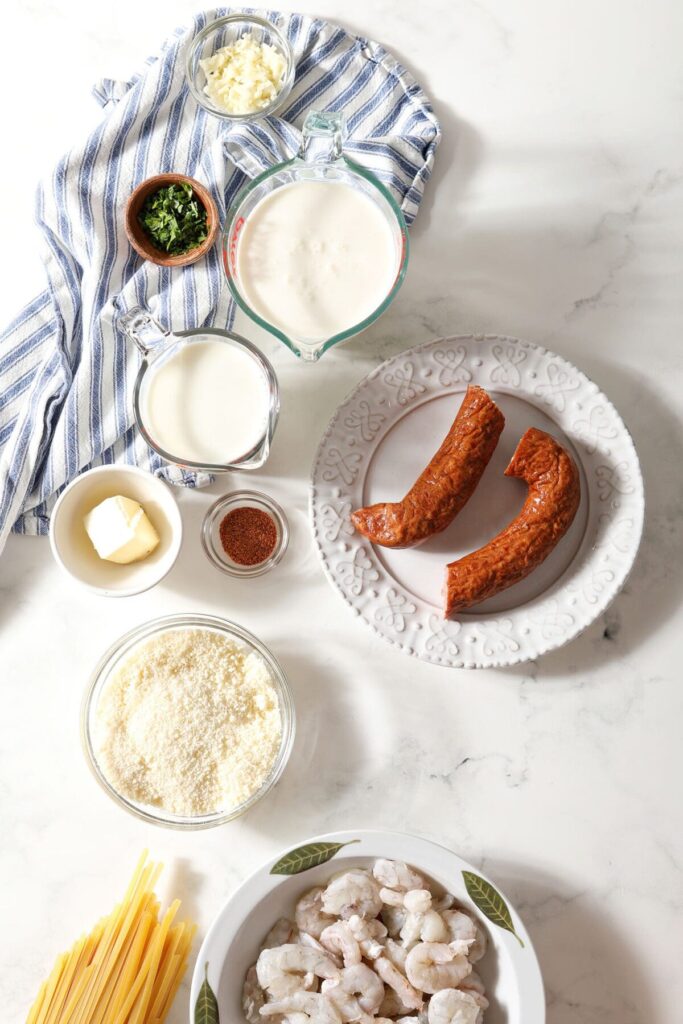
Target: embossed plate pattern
385 588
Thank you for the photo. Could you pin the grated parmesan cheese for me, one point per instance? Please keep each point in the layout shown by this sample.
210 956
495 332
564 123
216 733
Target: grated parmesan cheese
189 722
245 76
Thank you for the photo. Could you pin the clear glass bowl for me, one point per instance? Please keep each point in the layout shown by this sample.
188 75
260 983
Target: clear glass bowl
211 539
113 658
221 33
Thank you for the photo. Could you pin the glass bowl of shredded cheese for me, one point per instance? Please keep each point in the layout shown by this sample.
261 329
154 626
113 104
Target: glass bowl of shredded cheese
240 67
188 721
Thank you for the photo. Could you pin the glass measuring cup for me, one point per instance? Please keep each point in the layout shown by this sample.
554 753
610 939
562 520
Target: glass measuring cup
158 346
320 158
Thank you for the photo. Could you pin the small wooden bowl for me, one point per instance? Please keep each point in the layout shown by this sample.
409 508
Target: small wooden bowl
140 240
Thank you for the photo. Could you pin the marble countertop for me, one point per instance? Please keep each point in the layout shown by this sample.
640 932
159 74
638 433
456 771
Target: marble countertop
555 214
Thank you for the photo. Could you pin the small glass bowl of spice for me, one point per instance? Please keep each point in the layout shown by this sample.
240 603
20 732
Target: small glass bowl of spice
171 220
245 533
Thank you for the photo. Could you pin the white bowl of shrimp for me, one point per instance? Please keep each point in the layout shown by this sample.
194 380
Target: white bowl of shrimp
371 927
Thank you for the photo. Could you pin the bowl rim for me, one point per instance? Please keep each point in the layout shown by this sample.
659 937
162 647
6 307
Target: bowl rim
287 81
146 249
258 498
372 843
170 506
127 642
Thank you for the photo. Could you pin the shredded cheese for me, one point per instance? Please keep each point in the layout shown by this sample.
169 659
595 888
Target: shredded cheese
245 76
127 970
189 722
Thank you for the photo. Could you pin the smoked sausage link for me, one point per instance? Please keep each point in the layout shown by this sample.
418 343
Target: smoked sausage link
548 511
446 484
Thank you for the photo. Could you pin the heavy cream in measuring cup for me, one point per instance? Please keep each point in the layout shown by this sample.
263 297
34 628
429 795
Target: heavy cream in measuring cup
315 258
208 403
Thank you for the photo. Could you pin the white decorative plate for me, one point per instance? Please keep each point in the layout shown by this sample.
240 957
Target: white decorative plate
509 969
384 434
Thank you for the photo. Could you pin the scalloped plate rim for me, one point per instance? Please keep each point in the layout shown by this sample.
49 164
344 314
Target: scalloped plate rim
526 651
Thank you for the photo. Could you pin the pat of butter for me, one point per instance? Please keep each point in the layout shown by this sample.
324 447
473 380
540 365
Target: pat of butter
120 530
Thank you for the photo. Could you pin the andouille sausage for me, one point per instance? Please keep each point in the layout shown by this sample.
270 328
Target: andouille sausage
445 485
548 511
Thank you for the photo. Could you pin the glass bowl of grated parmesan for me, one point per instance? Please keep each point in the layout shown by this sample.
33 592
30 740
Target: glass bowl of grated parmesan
240 67
188 721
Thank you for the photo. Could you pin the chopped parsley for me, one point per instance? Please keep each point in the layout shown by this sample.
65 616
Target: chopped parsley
174 219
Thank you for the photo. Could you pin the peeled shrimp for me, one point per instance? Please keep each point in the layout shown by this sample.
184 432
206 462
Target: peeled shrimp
395 874
450 1006
431 966
354 892
368 935
253 996
392 1006
309 914
280 970
393 918
422 922
474 987
283 931
397 953
313 1006
391 976
463 928
357 991
338 938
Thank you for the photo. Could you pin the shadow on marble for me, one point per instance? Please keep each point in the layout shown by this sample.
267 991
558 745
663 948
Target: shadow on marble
654 591
321 768
590 970
24 564
185 883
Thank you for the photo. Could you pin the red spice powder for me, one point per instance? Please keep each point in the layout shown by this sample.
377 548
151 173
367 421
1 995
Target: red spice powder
248 535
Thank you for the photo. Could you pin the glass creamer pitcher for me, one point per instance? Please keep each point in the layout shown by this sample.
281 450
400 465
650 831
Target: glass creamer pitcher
300 261
204 399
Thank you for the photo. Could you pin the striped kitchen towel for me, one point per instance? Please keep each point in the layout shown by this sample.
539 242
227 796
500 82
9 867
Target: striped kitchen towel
66 371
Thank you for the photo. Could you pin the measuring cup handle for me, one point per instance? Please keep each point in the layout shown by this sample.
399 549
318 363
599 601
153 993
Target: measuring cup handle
142 328
322 137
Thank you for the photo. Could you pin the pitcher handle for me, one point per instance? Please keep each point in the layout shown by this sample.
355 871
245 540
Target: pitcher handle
322 137
142 328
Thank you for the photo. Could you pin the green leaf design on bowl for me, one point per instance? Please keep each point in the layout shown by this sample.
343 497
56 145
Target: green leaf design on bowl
206 1007
490 902
308 856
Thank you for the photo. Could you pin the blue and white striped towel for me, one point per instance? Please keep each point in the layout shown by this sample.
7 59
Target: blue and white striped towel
66 373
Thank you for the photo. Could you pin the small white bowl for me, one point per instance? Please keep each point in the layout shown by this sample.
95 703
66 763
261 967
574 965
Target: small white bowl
73 549
509 969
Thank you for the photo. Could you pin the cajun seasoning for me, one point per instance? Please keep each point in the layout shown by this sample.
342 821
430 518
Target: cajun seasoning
248 535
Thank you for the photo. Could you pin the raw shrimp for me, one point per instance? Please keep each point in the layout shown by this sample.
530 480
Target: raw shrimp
392 1006
431 966
368 935
422 923
313 1006
397 953
307 940
354 892
474 987
464 928
280 970
392 977
309 914
283 931
393 918
357 991
395 874
253 996
339 938
450 1006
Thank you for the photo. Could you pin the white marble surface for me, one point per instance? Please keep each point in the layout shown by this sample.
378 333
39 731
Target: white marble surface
555 214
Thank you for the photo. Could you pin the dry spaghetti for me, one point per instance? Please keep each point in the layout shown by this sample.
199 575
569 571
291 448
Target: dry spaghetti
127 970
